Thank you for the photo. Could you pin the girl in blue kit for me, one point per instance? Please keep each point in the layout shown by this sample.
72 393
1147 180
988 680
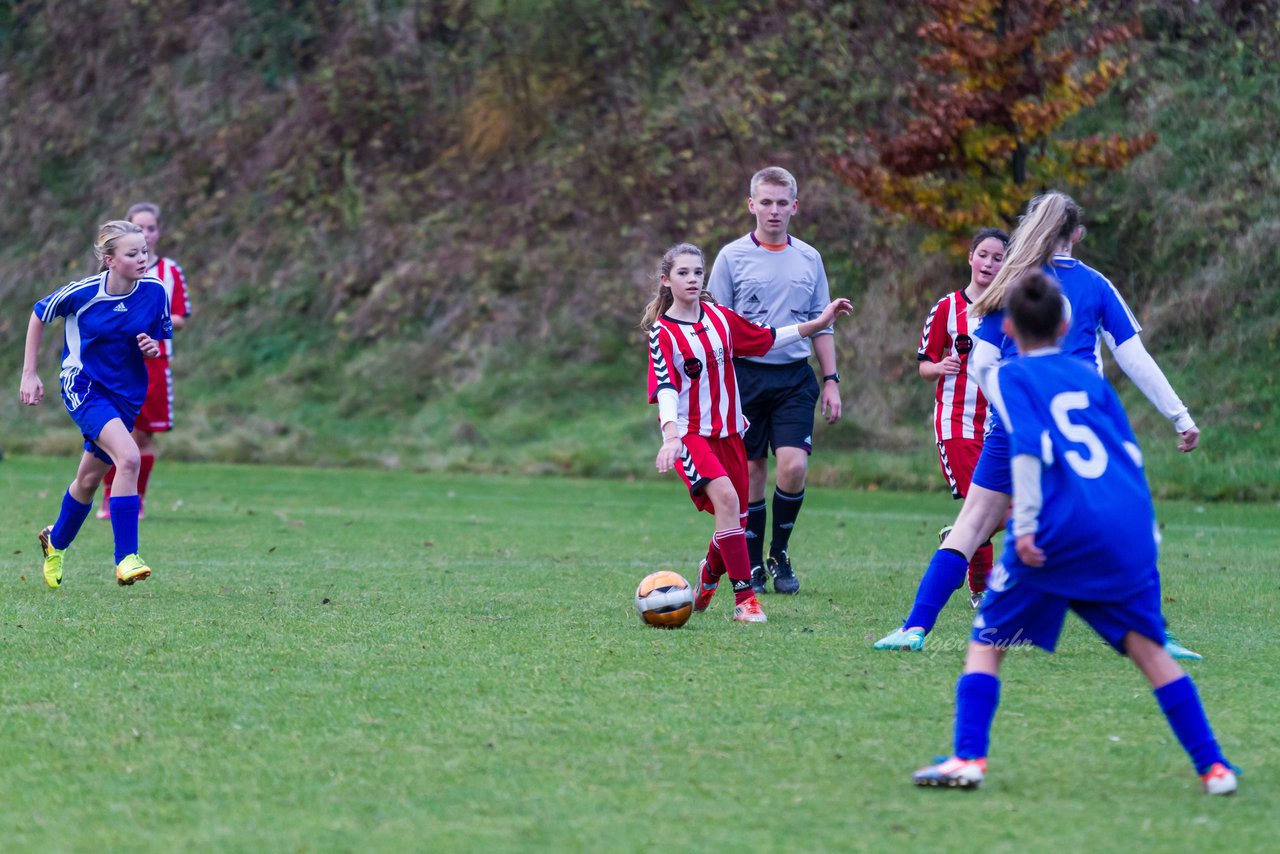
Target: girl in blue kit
113 321
1083 537
1043 240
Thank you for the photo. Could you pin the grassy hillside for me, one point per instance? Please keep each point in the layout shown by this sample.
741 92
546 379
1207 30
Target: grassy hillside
419 235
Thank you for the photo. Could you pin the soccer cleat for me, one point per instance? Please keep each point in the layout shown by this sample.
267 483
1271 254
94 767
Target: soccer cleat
942 533
975 599
749 612
953 773
104 512
759 580
784 577
702 593
52 559
1220 779
910 639
131 569
1177 650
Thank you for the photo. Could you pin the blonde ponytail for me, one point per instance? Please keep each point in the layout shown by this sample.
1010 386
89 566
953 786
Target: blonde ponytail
1050 219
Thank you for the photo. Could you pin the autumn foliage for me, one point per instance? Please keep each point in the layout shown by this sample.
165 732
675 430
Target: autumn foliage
982 134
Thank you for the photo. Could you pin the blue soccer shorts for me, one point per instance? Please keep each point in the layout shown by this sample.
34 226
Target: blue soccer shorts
91 408
778 401
1018 614
994 470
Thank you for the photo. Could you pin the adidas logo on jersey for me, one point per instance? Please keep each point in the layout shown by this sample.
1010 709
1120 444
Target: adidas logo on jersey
119 307
753 298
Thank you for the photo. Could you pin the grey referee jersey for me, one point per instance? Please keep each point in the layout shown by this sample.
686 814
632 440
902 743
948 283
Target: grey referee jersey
774 288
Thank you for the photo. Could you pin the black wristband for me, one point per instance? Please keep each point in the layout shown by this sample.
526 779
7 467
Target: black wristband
835 377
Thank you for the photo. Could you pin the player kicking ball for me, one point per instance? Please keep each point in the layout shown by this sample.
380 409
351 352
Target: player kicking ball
1080 503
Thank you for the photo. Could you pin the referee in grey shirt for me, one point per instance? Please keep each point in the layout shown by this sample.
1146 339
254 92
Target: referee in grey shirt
771 277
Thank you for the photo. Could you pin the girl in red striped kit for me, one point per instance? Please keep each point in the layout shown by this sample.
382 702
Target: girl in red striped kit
692 342
960 410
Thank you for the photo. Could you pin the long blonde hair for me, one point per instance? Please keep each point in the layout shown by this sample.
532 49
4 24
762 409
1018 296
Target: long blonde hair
1049 221
662 298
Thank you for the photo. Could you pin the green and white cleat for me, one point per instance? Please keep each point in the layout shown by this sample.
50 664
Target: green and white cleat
52 559
909 639
1177 650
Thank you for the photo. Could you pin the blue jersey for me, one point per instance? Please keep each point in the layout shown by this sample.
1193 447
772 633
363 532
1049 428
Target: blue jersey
1096 523
1094 306
102 330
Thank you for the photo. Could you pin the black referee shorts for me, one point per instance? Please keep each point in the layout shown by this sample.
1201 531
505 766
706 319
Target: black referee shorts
779 401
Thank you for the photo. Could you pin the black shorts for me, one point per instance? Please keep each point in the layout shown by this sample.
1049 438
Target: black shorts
778 401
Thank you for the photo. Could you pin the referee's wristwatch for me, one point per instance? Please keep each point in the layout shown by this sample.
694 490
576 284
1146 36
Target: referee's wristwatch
832 378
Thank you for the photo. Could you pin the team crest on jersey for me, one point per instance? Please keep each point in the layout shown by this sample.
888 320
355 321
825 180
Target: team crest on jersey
964 344
693 368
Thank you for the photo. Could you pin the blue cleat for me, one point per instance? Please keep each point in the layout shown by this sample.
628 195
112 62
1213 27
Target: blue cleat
910 639
1177 650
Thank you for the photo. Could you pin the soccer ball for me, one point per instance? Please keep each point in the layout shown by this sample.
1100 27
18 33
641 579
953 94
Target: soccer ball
664 600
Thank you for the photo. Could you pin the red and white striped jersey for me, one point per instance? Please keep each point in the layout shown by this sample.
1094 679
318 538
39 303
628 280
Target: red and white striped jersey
696 360
175 285
960 410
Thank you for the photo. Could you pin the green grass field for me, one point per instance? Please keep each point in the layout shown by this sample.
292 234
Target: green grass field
334 660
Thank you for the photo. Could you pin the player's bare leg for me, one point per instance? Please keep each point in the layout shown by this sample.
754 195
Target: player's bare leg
1180 702
977 696
147 460
980 516
118 443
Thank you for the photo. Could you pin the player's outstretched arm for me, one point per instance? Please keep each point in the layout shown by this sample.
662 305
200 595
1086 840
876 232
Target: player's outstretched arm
839 307
1139 366
31 391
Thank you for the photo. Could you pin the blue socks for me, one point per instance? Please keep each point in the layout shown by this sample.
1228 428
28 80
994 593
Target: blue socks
1180 702
124 524
70 518
977 695
947 571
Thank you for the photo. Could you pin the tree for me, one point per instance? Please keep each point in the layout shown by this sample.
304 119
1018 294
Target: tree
1005 79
